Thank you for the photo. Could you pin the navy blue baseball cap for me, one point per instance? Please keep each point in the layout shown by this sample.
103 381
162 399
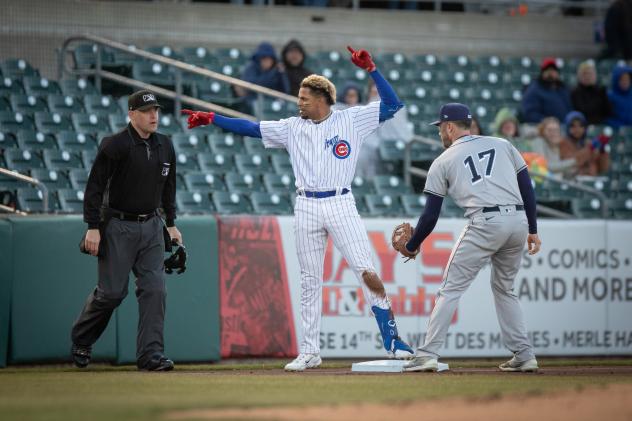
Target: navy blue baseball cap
453 112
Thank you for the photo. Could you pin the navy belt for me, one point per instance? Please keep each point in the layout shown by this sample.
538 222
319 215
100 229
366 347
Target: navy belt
497 209
323 194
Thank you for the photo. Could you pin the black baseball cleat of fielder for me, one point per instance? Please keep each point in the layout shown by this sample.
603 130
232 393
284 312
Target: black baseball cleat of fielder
157 363
81 355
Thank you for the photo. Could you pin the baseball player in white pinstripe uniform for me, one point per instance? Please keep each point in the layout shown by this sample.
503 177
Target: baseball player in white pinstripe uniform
324 147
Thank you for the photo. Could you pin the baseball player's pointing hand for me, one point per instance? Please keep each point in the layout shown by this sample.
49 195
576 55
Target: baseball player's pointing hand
533 243
362 59
198 118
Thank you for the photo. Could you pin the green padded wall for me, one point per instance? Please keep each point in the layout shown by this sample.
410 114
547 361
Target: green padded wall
50 284
192 319
6 274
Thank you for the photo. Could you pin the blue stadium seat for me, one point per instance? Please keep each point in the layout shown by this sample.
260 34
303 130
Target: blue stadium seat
199 56
70 201
252 164
53 179
22 160
587 207
64 104
383 205
100 104
28 104
61 160
361 186
270 203
231 203
168 124
281 184
10 86
189 143
226 143
52 122
187 162
77 88
40 86
203 182
243 183
12 122
154 73
89 123
17 68
30 200
35 140
216 163
390 184
165 51
194 202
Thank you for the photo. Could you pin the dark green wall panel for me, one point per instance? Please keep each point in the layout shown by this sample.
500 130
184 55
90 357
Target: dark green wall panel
6 274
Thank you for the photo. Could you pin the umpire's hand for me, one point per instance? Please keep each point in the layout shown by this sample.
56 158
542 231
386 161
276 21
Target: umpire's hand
93 238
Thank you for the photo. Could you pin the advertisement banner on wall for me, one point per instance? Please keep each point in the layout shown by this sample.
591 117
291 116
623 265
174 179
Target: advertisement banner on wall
576 294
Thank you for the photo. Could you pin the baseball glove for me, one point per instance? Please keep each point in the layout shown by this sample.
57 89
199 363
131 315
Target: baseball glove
401 236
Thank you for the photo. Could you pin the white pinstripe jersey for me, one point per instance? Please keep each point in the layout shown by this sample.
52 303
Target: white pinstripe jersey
477 171
323 155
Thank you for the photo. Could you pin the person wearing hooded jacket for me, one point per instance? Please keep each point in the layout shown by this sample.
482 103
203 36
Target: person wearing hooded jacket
590 97
590 155
620 95
263 70
349 96
547 96
293 58
506 126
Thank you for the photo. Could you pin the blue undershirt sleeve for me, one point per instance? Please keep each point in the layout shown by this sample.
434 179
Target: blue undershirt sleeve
389 101
528 198
427 221
238 126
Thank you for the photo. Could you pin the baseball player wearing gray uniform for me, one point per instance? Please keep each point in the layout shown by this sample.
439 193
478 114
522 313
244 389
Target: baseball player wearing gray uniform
324 147
488 178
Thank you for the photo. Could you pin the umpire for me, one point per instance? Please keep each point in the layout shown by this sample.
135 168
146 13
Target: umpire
133 174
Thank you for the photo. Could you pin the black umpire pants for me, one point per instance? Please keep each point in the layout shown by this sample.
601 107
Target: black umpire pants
129 246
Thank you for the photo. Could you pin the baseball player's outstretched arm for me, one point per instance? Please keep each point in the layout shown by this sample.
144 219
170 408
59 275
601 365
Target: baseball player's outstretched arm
427 221
390 102
235 125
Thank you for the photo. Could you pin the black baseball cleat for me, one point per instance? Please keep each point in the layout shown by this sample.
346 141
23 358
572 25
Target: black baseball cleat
158 363
81 355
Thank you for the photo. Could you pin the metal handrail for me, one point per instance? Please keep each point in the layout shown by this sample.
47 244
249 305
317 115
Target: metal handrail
41 186
177 64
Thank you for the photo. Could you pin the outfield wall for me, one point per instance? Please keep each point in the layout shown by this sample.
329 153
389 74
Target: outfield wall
243 281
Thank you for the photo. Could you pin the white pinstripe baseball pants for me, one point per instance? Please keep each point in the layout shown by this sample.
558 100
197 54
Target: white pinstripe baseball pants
314 219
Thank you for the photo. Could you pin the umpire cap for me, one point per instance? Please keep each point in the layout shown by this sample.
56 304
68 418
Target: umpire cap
142 100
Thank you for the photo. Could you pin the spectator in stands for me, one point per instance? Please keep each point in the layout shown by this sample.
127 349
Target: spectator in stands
589 97
349 96
475 128
618 30
547 144
397 128
590 155
547 96
263 69
293 57
507 127
620 95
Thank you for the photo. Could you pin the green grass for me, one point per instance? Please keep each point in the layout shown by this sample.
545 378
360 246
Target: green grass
122 393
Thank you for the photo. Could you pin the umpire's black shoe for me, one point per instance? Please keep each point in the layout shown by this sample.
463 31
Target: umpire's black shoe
81 355
158 363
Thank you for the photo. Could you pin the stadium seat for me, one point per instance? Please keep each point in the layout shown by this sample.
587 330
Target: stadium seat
70 200
85 56
30 200
64 104
360 186
35 140
270 203
588 207
199 56
252 164
119 122
165 51
216 163
53 179
52 122
383 205
27 104
189 143
34 85
186 162
77 88
243 183
231 55
78 178
61 160
7 141
87 158
231 203
392 150
621 208
89 123
624 184
215 91
281 164
9 86
76 142
12 122
194 202
100 104
226 143
413 204
168 124
5 104
22 160
15 68
389 184
562 191
421 151
280 184
203 182
154 73
360 202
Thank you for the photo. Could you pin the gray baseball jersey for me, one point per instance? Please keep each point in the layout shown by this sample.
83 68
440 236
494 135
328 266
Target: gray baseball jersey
477 171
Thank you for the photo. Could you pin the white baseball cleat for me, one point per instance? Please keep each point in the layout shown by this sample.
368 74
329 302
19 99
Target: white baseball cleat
303 362
524 366
422 363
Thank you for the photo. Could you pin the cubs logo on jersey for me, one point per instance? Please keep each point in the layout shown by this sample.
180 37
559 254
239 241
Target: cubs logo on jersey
341 148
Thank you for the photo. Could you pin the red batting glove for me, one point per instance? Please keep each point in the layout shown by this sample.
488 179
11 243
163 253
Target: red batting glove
198 118
362 59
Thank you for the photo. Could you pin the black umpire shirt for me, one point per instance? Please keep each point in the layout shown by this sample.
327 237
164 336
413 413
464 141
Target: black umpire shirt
132 175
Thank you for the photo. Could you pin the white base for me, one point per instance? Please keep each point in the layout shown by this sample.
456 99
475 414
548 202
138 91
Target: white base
386 366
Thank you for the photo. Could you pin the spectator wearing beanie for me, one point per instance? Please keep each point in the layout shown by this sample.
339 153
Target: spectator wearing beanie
589 154
547 96
590 98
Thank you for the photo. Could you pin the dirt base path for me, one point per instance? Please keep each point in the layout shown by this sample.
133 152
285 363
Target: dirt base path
612 403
